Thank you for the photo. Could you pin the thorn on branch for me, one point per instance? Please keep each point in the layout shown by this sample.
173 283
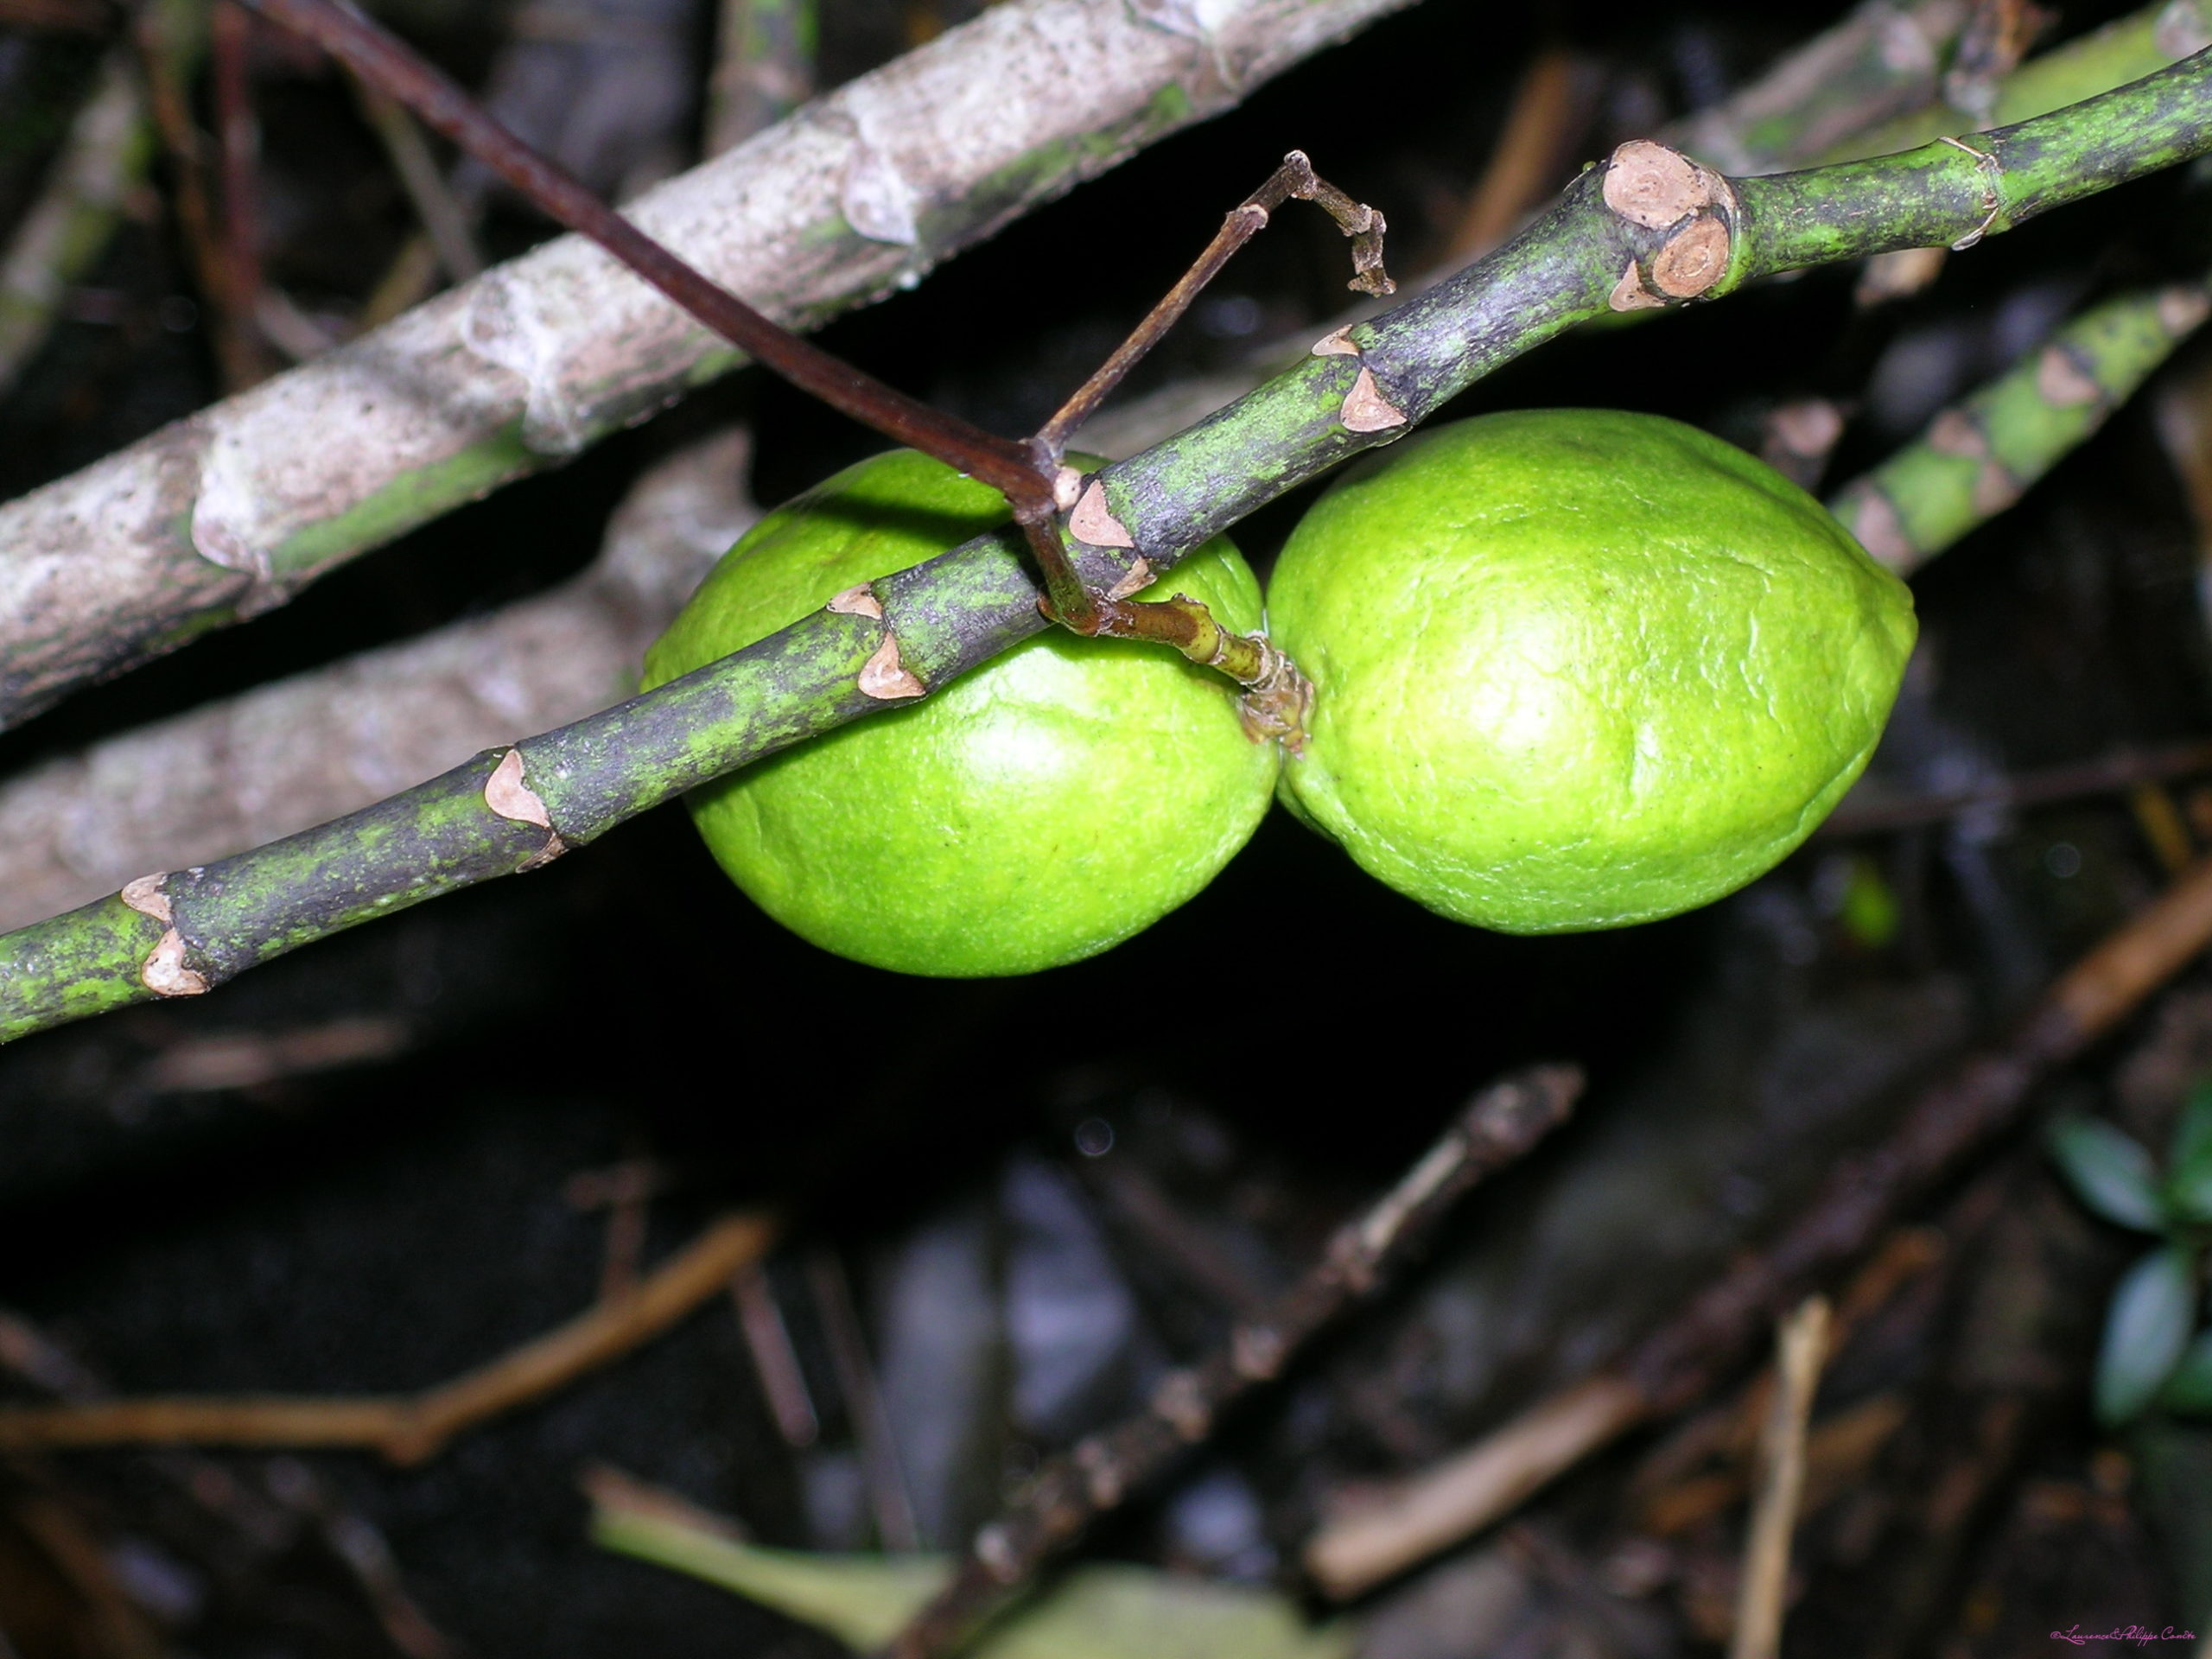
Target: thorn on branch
1366 409
884 677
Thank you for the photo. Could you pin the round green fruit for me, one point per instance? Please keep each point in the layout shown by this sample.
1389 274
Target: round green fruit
1577 668
1038 810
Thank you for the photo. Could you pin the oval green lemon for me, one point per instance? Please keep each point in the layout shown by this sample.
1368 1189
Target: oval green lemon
1040 809
1578 668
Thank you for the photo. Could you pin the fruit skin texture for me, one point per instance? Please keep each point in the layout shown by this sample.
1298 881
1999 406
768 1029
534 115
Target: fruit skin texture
1040 809
1579 668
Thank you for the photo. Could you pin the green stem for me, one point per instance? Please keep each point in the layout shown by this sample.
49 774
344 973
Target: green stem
1649 228
1980 455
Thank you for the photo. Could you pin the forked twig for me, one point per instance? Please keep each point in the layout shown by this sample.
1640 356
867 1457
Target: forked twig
1072 1490
1294 181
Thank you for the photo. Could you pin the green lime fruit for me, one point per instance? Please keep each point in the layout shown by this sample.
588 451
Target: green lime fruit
1038 810
1578 668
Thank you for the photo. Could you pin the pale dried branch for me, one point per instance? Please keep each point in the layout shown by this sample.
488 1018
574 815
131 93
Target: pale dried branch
1800 1346
235 509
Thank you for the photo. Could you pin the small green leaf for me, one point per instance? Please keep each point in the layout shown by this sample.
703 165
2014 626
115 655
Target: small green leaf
2109 1171
2189 1388
2144 1333
1098 1611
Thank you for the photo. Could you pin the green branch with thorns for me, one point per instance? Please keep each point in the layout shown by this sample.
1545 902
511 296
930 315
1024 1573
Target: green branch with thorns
1648 228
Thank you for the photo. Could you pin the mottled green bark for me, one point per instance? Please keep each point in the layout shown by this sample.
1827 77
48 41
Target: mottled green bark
1953 192
1977 457
1375 383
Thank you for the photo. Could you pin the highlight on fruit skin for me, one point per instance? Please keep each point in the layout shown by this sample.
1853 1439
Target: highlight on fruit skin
1577 669
1038 811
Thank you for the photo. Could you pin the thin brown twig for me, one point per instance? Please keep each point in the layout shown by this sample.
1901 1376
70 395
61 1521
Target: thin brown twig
238 143
1801 1345
167 47
775 1361
895 1529
1072 1490
214 1490
444 220
1980 1099
411 1428
382 61
1294 181
2103 776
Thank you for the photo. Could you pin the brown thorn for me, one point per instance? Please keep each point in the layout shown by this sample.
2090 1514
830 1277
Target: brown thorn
1994 488
1094 522
146 895
884 677
1366 409
859 600
164 971
1335 343
1870 516
1138 579
506 794
1180 1402
1956 433
1257 1351
1629 294
2181 308
2062 383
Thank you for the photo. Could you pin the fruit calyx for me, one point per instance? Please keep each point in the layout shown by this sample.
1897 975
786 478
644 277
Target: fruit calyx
1274 706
